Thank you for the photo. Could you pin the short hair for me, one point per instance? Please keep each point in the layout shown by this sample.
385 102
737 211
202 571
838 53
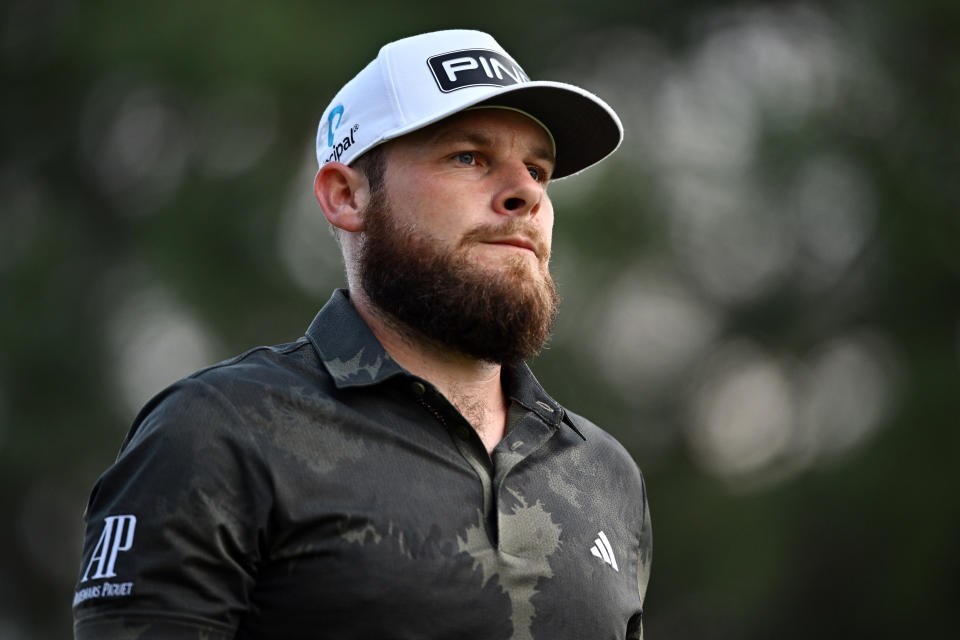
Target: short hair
373 165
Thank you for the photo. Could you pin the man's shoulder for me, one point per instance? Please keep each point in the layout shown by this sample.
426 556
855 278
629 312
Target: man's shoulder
262 363
592 431
269 370
603 444
259 370
234 390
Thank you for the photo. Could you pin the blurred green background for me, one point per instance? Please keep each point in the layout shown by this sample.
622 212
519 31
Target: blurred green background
762 287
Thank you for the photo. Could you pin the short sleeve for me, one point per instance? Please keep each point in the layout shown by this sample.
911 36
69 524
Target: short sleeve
644 557
645 554
173 526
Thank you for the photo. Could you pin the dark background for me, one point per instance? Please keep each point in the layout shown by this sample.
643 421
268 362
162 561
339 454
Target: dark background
762 287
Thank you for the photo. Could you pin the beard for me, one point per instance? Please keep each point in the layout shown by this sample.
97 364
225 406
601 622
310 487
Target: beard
500 314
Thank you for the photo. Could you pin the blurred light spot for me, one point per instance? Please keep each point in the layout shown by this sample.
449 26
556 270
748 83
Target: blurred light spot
235 129
846 392
709 125
648 328
742 413
695 124
306 246
138 142
735 237
755 420
753 65
50 530
19 224
836 210
155 342
736 244
787 61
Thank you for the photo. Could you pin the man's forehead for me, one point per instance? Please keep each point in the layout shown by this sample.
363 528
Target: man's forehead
490 125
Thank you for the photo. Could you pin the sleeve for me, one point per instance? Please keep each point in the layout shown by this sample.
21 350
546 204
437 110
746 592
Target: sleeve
174 526
644 558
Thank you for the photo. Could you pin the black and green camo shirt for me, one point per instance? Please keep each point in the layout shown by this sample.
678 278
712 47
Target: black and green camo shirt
318 490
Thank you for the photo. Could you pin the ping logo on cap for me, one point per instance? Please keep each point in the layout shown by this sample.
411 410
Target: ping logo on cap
474 67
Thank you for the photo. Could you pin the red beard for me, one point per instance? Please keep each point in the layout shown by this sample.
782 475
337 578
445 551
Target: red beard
497 315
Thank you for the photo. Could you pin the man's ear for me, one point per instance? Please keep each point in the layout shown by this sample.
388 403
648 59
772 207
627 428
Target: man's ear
343 194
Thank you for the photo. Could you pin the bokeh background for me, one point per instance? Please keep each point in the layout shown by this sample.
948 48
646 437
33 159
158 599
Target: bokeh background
762 288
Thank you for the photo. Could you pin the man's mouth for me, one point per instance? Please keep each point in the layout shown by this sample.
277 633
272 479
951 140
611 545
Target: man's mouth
518 242
518 235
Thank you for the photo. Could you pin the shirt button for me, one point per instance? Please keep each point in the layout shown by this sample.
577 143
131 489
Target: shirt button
418 388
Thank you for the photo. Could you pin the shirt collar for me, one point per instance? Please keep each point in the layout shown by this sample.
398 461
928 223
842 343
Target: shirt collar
523 388
347 347
354 357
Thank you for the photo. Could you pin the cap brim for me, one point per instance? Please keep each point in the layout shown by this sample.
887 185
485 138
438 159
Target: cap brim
585 128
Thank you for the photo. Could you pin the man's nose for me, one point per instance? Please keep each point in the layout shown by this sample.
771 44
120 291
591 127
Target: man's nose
520 194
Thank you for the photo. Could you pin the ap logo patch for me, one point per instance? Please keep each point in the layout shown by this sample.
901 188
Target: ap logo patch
117 536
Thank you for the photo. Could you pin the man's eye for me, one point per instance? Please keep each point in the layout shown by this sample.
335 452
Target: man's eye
537 173
467 157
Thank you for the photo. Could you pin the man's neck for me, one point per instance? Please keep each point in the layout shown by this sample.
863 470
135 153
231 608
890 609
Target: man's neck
472 386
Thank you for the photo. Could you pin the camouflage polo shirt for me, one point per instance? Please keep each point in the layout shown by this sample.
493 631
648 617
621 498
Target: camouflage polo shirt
318 490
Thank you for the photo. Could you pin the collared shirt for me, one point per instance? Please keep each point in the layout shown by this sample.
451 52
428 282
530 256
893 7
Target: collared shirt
319 490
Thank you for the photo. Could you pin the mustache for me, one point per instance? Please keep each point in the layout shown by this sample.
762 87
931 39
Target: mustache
514 227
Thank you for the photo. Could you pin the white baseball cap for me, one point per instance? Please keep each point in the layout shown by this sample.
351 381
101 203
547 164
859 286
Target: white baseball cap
420 80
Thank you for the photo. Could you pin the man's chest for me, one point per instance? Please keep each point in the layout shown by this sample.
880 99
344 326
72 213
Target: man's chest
418 536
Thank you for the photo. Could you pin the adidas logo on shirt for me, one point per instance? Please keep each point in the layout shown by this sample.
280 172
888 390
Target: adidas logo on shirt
604 551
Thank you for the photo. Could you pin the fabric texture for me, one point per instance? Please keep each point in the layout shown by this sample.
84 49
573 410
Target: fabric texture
318 490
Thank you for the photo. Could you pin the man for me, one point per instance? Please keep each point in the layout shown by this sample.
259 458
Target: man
398 472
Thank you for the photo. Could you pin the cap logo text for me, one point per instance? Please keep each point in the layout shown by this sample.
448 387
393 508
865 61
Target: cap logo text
336 150
474 67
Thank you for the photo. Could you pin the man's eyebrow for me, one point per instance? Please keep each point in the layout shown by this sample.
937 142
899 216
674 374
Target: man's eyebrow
545 154
454 135
461 135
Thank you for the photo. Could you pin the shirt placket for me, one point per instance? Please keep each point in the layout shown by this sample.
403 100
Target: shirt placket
525 435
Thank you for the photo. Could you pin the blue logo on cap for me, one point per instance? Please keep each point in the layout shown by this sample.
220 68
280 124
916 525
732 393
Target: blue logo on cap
346 142
336 111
